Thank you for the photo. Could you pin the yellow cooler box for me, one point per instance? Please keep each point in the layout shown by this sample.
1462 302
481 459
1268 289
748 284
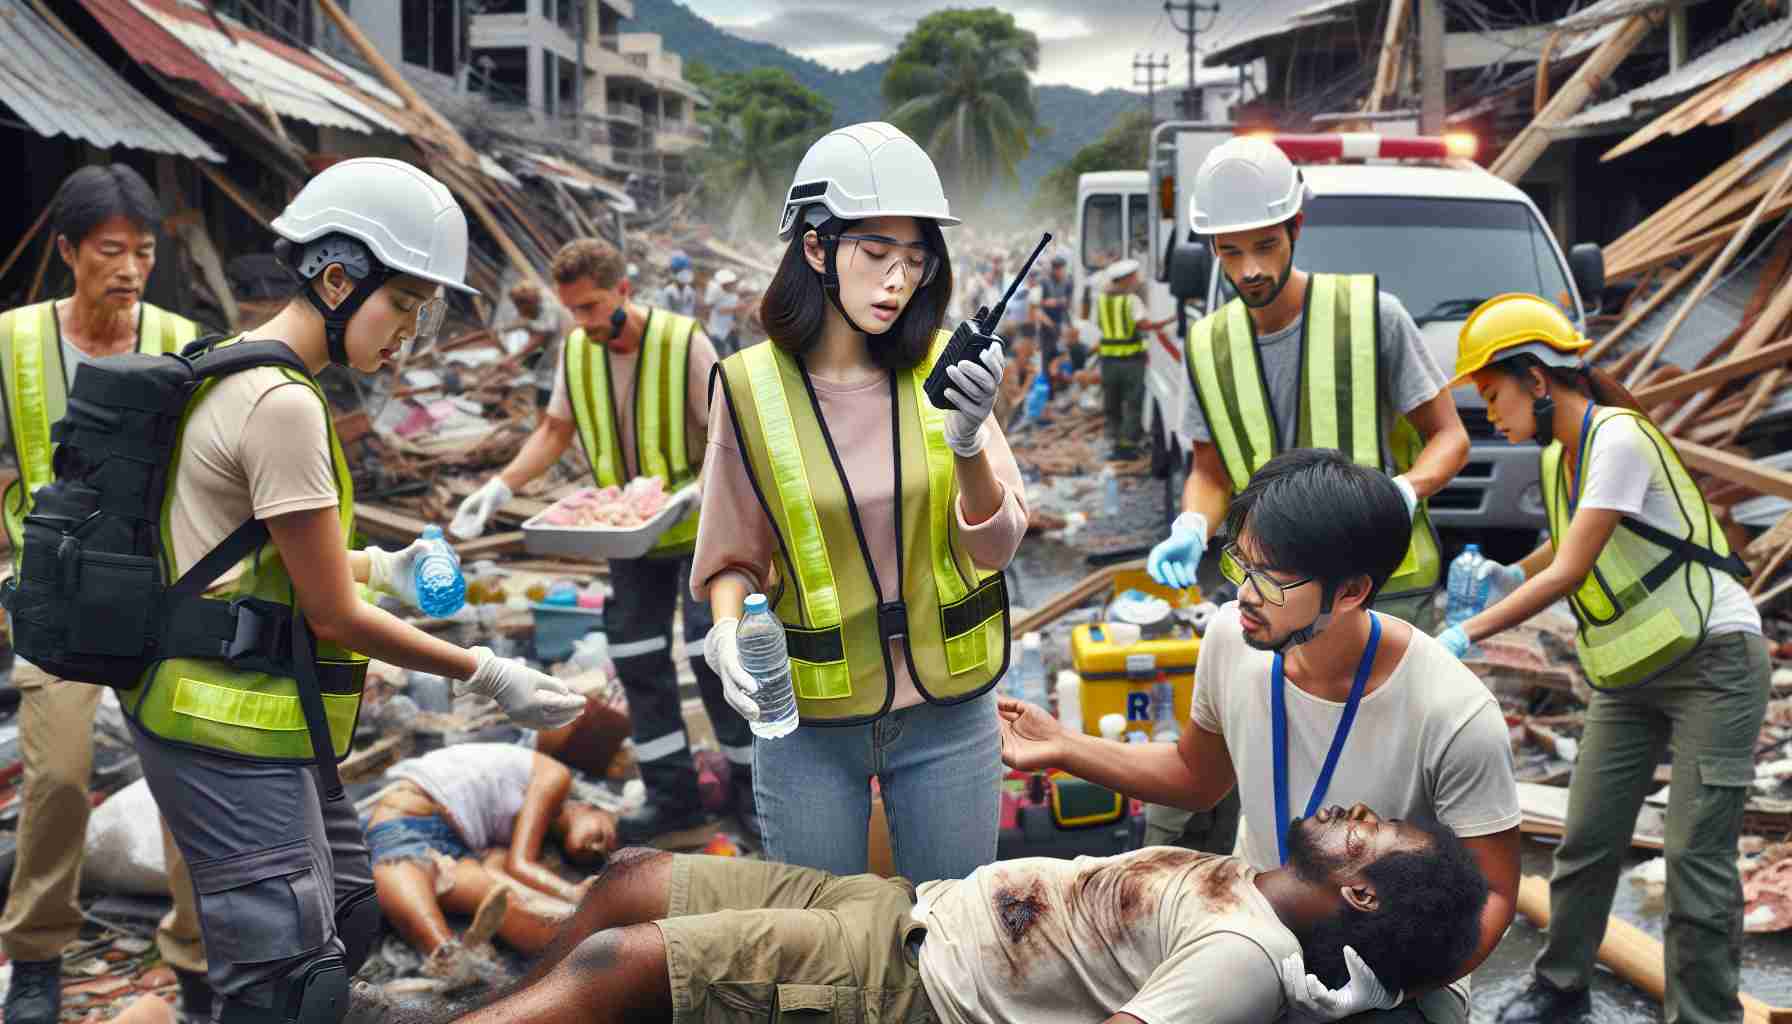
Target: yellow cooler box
1119 680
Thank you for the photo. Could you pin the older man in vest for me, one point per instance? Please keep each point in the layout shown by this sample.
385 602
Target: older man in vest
105 220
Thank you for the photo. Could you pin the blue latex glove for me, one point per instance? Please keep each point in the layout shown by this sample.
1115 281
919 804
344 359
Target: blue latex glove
1173 560
1503 579
1455 640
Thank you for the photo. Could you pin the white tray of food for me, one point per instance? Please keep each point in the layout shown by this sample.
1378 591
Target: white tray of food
608 522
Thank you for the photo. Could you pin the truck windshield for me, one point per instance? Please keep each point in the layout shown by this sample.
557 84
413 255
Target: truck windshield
1440 257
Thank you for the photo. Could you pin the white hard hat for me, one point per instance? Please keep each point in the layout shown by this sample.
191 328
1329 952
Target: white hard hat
684 277
407 218
1121 268
726 276
864 170
1244 184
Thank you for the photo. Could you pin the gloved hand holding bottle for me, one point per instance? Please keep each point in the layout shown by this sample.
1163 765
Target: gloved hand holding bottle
1173 560
395 572
975 385
722 652
476 510
534 700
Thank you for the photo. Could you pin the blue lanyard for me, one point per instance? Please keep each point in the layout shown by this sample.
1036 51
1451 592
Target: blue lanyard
1279 734
1580 460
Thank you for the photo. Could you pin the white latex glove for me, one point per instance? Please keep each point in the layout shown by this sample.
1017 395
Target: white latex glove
533 700
1309 996
723 655
973 394
1502 579
395 572
1407 492
476 510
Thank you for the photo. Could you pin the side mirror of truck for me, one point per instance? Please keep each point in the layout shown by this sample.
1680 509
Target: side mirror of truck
1191 268
1587 263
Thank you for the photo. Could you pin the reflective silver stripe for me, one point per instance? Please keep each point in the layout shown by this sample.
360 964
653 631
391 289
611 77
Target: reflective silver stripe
636 648
662 748
738 755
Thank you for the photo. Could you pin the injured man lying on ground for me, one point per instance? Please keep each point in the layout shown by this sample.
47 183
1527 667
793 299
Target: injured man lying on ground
462 831
1159 934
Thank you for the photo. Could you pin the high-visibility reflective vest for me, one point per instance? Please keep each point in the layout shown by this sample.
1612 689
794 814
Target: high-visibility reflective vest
662 383
37 391
1340 400
1645 606
242 712
952 615
1119 331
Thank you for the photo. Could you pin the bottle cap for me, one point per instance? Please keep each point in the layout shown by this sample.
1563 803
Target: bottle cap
432 532
755 604
1112 725
1030 642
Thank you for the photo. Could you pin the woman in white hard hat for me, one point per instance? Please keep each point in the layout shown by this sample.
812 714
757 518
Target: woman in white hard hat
877 524
286 893
1669 639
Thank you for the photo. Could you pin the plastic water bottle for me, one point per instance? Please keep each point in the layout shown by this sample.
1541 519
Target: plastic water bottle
1032 671
441 589
1070 700
1039 395
763 654
1110 492
1468 589
1163 711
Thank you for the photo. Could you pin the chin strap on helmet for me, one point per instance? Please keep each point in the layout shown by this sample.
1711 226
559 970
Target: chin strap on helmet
367 273
1543 410
827 228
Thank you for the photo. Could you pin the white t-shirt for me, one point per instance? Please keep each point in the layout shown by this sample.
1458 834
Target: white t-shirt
480 787
1624 474
722 305
1166 935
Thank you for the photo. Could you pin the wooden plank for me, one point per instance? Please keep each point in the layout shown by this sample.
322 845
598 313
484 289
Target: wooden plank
1534 138
1071 599
255 210
490 544
1767 326
1737 468
1715 375
1640 313
25 239
1387 65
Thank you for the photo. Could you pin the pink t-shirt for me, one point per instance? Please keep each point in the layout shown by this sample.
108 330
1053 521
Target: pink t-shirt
734 533
622 387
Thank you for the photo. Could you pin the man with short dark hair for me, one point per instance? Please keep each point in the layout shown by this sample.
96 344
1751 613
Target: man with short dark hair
1158 935
1303 696
633 387
104 219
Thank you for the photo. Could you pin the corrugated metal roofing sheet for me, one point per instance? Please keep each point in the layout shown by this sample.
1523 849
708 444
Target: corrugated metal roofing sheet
1712 320
151 44
1738 53
1608 10
1265 19
62 88
288 81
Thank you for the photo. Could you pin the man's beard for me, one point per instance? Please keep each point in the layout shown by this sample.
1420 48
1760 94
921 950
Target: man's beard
1279 283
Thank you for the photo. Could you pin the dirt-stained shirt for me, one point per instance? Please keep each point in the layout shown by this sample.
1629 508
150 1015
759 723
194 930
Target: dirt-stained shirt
1164 934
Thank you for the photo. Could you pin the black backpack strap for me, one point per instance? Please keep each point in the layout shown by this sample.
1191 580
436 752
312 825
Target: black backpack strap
246 355
251 633
1681 551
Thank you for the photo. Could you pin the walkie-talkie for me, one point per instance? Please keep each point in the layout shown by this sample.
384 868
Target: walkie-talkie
975 334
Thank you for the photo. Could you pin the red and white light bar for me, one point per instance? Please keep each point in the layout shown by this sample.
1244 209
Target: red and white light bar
1371 146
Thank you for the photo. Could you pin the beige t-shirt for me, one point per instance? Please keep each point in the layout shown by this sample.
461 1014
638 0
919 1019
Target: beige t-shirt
1164 934
622 387
256 446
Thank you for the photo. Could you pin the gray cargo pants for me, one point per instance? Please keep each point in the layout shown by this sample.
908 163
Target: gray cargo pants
273 863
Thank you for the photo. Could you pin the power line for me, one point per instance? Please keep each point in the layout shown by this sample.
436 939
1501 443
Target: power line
1191 11
1150 65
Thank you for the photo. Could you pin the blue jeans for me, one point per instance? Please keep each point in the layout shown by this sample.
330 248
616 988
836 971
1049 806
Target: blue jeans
415 839
939 769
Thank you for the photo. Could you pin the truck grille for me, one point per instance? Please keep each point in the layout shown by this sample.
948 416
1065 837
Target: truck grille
1477 424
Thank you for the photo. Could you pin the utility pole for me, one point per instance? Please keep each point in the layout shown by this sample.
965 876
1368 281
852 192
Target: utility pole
1431 67
1191 10
1150 66
578 78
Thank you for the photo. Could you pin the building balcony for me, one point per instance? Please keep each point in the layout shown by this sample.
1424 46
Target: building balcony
627 113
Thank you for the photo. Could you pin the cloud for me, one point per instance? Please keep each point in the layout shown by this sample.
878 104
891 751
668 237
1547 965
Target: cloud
811 27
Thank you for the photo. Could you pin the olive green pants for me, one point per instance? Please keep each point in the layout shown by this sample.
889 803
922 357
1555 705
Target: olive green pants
1708 711
1123 399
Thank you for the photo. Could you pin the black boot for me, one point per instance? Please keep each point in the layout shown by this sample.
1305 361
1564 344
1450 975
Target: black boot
746 806
195 997
1543 1003
673 817
35 996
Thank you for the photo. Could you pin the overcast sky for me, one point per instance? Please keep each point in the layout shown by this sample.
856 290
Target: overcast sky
1085 44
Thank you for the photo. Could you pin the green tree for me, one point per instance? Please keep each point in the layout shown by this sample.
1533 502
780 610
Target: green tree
1121 148
761 122
960 86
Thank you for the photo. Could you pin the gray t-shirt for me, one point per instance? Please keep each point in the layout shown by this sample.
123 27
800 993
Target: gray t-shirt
1409 374
1060 290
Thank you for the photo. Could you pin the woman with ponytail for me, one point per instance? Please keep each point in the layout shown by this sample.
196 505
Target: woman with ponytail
1667 636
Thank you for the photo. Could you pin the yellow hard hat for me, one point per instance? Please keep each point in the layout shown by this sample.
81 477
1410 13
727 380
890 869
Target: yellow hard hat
1515 323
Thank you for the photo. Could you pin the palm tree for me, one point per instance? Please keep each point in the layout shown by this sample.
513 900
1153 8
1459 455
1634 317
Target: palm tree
973 111
762 124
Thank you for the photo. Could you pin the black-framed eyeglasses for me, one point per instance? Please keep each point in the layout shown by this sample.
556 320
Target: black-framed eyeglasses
1273 591
879 253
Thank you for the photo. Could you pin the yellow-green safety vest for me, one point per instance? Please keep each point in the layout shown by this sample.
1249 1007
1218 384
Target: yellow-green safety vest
1119 331
952 615
36 385
1644 607
1340 400
209 704
662 385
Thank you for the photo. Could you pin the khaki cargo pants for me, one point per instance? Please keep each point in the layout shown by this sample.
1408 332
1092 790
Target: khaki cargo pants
1708 711
42 911
752 940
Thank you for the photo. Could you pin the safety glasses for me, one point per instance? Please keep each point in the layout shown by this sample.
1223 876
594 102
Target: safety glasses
1235 569
878 253
430 314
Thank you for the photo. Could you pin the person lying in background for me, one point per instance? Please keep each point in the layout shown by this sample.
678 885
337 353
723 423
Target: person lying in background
1161 935
462 831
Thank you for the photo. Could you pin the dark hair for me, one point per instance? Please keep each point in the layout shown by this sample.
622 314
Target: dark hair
795 305
1428 923
1314 512
97 193
1590 381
